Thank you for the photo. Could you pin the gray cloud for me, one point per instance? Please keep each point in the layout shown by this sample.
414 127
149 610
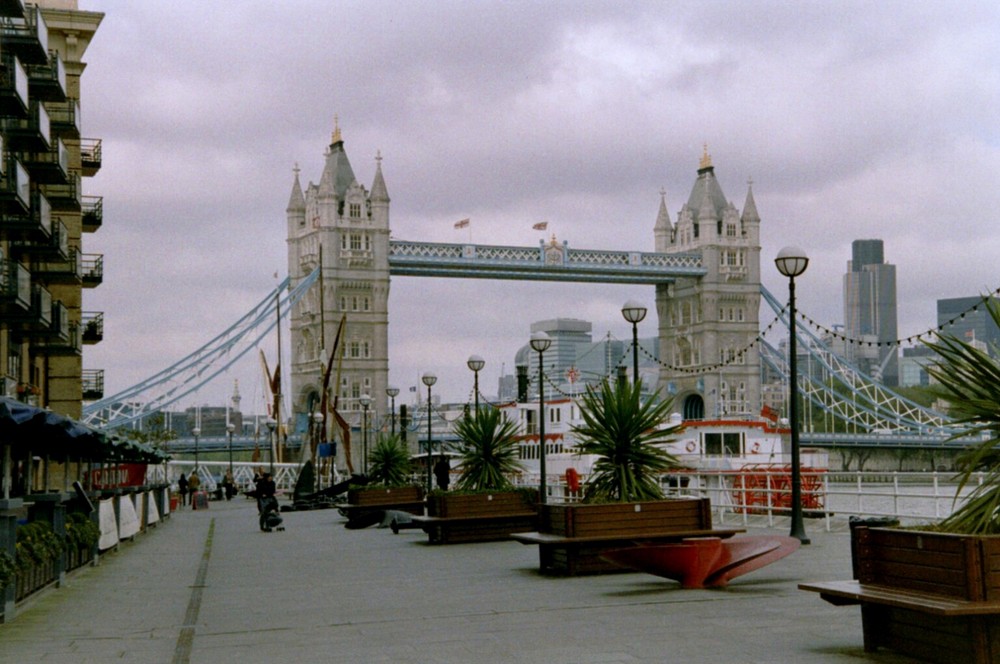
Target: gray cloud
854 120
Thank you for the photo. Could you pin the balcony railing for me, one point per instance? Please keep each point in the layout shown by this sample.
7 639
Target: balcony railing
31 227
49 166
92 382
93 213
93 326
65 118
30 133
15 186
68 270
47 82
90 156
92 270
28 36
15 288
65 197
13 87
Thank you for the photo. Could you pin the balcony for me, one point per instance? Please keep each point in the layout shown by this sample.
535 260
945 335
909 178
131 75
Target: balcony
69 345
92 270
93 327
47 82
40 317
53 247
66 269
31 227
92 382
15 289
13 87
15 187
31 133
65 119
64 197
56 329
50 166
26 36
11 9
90 156
93 213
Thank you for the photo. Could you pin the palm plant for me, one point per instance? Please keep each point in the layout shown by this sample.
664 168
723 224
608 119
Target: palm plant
489 454
621 429
388 462
969 381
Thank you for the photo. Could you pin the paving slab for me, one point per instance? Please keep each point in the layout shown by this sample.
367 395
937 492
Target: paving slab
208 587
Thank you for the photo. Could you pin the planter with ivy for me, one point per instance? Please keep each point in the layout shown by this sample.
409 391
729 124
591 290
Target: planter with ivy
37 548
933 592
82 535
623 503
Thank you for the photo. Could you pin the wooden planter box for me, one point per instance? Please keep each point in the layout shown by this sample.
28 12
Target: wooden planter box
366 506
932 566
382 496
571 537
453 518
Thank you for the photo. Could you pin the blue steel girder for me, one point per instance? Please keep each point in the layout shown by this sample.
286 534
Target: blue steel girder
548 262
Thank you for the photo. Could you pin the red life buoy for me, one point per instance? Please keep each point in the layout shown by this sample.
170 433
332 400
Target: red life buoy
755 448
572 479
690 446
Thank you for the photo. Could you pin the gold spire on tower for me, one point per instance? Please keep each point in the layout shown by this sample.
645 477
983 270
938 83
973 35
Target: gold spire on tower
335 138
706 159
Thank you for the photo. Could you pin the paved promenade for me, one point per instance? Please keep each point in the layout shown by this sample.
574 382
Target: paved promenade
208 587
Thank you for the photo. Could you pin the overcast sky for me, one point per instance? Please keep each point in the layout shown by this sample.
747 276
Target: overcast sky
854 120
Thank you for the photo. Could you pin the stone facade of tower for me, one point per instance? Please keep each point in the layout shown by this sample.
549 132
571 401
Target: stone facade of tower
707 326
343 227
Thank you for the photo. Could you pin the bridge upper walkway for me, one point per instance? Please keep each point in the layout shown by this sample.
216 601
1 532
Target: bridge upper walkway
550 261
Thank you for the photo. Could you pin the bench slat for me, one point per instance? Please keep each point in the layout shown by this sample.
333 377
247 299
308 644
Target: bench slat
882 595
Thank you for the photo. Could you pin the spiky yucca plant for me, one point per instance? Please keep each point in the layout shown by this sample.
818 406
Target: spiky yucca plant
969 381
621 429
489 451
388 462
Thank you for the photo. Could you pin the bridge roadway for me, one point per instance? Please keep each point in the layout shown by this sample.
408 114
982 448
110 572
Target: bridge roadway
208 587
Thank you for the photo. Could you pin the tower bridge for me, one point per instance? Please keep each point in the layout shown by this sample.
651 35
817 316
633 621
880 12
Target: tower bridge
705 269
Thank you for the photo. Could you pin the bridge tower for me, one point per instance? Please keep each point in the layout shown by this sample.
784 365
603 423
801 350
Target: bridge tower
706 322
341 226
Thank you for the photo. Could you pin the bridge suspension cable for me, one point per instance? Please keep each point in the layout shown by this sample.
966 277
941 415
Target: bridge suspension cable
187 375
848 394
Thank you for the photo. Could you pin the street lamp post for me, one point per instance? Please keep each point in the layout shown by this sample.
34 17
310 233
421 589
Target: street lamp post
428 380
230 428
197 432
365 402
476 363
319 436
634 312
392 392
792 262
272 425
540 342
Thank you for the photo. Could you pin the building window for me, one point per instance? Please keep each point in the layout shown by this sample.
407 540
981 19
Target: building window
730 230
366 304
354 303
354 349
355 242
343 242
355 210
366 349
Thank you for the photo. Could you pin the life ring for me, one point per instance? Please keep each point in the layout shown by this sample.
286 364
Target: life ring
755 448
690 446
572 479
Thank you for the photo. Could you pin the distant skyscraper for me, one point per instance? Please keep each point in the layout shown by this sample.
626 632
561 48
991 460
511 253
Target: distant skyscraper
969 324
870 311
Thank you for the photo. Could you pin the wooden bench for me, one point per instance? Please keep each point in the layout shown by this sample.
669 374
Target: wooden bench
932 596
481 528
573 556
